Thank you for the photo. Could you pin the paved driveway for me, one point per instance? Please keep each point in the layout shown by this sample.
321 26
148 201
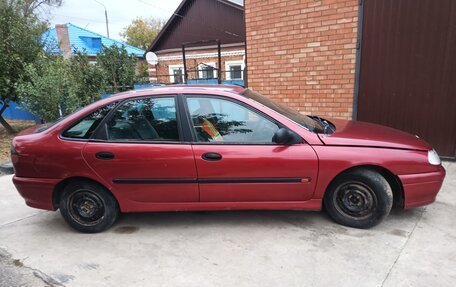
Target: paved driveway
251 248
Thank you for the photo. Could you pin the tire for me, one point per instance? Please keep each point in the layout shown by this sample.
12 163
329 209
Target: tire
360 198
88 207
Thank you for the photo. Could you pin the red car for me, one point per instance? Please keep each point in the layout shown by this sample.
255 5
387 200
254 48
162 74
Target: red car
218 148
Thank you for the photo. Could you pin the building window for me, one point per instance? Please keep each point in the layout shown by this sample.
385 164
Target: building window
207 71
176 74
234 70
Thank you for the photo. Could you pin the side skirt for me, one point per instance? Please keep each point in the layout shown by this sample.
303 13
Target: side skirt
132 206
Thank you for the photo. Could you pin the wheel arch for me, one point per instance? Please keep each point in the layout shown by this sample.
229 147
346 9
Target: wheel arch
58 189
392 179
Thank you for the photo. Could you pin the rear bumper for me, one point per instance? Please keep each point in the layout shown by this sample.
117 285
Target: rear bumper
421 188
37 192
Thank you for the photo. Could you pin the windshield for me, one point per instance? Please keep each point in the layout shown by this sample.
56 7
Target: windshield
303 120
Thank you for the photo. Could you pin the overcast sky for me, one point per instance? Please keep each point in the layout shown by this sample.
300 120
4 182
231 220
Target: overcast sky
89 14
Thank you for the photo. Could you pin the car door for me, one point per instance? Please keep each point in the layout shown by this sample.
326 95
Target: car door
236 159
138 149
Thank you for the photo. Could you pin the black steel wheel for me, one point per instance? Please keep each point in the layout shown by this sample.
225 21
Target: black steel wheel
360 198
88 207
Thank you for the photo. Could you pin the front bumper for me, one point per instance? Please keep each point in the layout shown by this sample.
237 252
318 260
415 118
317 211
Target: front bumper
37 192
421 188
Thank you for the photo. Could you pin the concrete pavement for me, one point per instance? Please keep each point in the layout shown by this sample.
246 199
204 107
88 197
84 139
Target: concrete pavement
248 248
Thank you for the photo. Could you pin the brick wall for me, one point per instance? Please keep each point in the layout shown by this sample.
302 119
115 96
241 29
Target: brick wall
303 53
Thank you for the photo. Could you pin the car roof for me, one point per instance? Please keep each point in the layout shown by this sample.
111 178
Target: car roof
180 89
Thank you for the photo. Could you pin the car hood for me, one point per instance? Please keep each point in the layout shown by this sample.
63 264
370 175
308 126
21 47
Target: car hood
354 133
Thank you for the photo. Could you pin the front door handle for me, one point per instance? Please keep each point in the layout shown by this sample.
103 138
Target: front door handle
105 155
211 156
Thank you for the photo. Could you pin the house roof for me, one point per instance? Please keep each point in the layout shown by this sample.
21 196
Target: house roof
83 40
201 20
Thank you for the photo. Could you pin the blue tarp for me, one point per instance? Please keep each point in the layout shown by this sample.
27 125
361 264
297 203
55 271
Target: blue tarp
14 112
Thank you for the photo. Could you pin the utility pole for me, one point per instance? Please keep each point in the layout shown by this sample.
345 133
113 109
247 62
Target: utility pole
106 17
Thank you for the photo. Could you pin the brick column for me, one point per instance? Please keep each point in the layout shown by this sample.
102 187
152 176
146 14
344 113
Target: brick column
64 40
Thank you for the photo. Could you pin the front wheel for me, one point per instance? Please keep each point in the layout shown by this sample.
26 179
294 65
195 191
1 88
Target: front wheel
88 207
359 198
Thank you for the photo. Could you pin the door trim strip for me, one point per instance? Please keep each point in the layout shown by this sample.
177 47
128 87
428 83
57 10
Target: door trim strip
210 180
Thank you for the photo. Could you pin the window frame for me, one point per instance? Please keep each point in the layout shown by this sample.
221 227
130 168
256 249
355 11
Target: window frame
101 133
171 69
194 138
228 64
78 120
200 71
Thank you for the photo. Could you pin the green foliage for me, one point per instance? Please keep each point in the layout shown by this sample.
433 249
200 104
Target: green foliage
48 85
88 80
141 32
46 88
19 46
142 73
118 67
53 87
28 8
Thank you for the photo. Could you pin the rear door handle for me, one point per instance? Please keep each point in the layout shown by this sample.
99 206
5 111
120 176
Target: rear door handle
105 155
211 156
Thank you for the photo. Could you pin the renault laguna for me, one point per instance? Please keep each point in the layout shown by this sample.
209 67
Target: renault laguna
188 148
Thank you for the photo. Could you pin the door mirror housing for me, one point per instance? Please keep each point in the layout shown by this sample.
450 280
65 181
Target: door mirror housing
284 136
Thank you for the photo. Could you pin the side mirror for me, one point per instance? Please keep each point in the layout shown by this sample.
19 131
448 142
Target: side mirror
284 136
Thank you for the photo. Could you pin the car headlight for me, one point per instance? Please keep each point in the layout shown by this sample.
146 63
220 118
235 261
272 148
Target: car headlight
433 157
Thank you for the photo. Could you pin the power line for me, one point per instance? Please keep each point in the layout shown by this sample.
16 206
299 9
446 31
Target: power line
119 22
160 8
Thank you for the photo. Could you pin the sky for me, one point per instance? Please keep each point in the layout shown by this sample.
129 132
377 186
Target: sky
90 15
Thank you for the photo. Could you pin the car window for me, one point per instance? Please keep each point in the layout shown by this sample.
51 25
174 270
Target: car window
218 120
303 120
148 119
84 128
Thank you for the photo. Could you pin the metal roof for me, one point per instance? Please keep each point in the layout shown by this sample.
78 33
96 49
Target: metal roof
196 20
83 40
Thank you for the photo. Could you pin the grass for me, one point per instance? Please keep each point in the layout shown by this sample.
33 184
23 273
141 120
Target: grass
5 138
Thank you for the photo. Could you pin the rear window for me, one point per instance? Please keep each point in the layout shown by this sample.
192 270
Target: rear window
84 128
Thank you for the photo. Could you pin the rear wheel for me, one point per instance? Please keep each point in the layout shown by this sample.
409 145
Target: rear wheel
88 207
360 198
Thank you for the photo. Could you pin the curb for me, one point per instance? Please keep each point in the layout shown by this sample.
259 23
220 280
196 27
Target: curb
6 168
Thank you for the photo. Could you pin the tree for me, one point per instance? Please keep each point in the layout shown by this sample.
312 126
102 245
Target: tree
118 67
141 32
87 80
20 32
46 90
52 87
28 8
